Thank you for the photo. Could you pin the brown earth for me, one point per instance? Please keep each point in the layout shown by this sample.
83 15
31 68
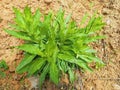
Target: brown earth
106 78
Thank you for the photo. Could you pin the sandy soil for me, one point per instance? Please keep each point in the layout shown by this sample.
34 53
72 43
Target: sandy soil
106 78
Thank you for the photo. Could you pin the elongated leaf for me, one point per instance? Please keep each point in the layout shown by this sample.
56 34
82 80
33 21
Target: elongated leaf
83 65
85 59
66 57
43 74
73 60
19 18
36 21
26 60
54 73
93 39
24 69
28 13
84 19
71 75
20 35
16 27
94 24
87 50
67 18
36 65
51 49
90 24
94 58
63 66
31 48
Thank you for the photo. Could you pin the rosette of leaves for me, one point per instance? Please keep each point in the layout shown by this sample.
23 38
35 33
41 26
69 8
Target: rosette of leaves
55 44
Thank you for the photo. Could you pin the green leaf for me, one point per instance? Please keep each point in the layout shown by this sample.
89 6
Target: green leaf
43 74
28 14
31 48
62 65
25 61
83 65
94 24
66 57
19 18
51 49
20 35
54 73
67 18
84 19
73 60
3 65
71 75
24 69
36 65
16 27
94 58
87 50
2 74
36 21
93 39
84 58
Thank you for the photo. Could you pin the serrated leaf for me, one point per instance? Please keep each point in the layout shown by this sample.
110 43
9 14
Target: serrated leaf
54 73
26 60
36 65
20 35
31 48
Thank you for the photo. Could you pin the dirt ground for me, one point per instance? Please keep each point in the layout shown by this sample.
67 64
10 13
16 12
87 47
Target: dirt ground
108 49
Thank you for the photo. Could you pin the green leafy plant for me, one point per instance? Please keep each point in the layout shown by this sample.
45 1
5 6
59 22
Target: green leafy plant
3 67
54 45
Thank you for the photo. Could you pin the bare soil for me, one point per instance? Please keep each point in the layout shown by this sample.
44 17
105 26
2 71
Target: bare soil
108 49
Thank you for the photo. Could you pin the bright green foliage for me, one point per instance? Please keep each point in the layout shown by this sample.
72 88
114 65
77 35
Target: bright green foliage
3 67
54 44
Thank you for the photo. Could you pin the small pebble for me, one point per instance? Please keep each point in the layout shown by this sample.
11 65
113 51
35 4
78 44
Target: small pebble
47 1
108 21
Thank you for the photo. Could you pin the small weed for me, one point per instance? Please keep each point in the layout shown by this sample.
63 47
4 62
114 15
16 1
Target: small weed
54 45
3 67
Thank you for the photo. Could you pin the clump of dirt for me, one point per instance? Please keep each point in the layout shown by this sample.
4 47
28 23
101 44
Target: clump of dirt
106 78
